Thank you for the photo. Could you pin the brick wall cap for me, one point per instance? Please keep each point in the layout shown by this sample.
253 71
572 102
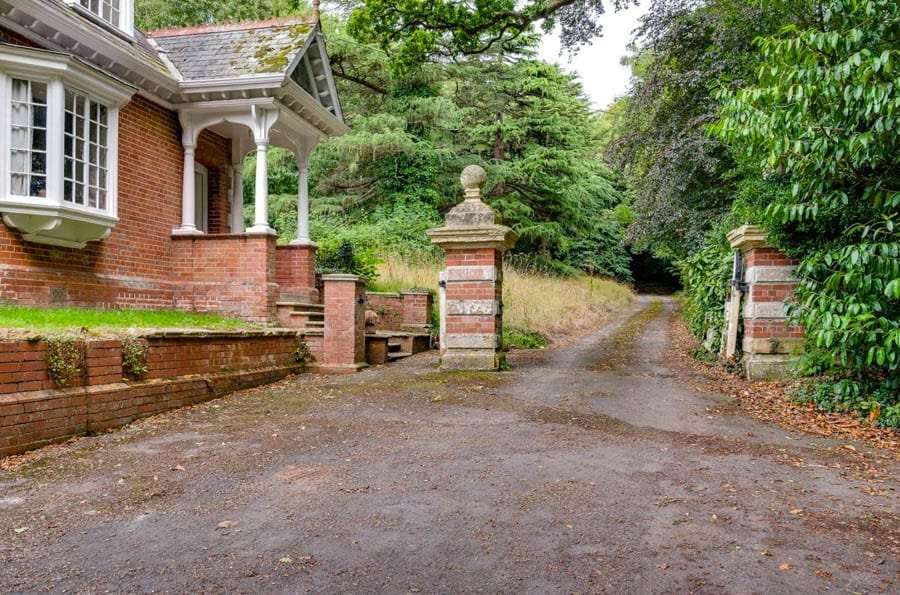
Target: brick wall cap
415 292
343 277
398 334
747 237
222 236
218 334
384 293
298 245
498 237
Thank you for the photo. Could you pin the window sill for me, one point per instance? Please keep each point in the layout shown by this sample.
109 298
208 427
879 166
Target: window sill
55 224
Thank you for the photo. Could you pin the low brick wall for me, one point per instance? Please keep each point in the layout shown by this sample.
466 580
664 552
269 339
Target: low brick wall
184 368
232 275
389 307
403 311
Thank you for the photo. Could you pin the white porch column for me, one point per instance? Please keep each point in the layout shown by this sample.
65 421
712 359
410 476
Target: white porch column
188 200
261 204
302 204
263 120
237 198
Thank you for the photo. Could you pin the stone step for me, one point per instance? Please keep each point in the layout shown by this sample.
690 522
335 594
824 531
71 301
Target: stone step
301 315
394 356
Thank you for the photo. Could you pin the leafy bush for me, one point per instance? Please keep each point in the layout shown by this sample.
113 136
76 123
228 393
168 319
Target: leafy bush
341 257
822 116
705 278
519 338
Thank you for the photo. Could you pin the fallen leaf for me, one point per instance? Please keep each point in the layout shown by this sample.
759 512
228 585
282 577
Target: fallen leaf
765 553
715 518
437 399
286 560
784 566
662 566
20 529
227 524
850 447
177 468
797 511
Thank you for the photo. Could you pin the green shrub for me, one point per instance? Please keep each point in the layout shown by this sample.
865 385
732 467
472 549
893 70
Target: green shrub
519 338
134 357
65 359
705 278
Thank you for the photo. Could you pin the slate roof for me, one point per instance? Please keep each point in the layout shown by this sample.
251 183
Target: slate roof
234 50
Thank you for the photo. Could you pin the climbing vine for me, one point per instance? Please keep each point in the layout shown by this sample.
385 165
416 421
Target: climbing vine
65 360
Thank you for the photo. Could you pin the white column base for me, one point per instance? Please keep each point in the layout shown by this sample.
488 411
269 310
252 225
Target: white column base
187 230
303 242
262 229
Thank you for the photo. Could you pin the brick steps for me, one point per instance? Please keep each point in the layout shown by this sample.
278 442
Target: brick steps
301 315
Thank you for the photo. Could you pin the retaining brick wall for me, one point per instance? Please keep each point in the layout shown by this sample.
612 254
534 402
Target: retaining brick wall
183 369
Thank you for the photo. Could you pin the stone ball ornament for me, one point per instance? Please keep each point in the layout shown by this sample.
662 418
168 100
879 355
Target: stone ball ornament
473 178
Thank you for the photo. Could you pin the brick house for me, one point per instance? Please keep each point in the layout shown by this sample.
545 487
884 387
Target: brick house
121 157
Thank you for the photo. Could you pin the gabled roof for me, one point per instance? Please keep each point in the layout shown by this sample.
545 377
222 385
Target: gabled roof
291 48
283 59
234 50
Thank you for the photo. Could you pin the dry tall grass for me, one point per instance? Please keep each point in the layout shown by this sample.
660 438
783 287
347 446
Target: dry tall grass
555 307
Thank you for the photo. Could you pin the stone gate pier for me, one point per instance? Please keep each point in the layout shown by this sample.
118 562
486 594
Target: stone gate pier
471 284
770 344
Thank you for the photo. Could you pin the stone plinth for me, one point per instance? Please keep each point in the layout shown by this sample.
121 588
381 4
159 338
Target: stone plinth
344 345
472 283
770 346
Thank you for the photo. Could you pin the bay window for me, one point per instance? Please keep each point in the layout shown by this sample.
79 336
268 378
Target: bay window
59 136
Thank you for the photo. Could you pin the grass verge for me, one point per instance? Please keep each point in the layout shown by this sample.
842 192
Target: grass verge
55 320
555 308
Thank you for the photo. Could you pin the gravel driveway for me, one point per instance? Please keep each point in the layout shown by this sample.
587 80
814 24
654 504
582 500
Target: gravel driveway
586 469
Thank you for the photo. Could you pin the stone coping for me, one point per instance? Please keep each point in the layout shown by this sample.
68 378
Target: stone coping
185 333
389 334
222 236
747 237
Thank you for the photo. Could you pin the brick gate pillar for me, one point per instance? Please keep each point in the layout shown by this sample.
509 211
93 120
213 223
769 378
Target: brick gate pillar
472 283
769 344
344 345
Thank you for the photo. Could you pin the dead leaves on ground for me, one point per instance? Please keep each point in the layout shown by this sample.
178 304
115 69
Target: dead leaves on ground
769 401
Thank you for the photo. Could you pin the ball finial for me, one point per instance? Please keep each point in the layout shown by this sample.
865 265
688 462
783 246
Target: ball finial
473 178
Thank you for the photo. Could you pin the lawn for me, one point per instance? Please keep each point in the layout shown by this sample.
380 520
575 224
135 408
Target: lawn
68 319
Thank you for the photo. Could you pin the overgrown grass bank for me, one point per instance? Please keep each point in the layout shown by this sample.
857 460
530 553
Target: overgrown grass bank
555 307
68 319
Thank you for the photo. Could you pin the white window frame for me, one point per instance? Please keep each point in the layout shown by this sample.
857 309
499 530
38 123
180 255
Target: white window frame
50 219
126 15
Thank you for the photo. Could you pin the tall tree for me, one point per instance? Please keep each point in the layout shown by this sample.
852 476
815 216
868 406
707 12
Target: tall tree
417 30
685 180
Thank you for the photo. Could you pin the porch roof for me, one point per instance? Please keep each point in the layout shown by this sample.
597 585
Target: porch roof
238 49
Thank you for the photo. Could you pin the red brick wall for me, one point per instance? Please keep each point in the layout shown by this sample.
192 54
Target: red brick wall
181 371
14 38
180 356
767 257
389 307
295 273
344 344
771 328
474 290
417 309
231 274
214 153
